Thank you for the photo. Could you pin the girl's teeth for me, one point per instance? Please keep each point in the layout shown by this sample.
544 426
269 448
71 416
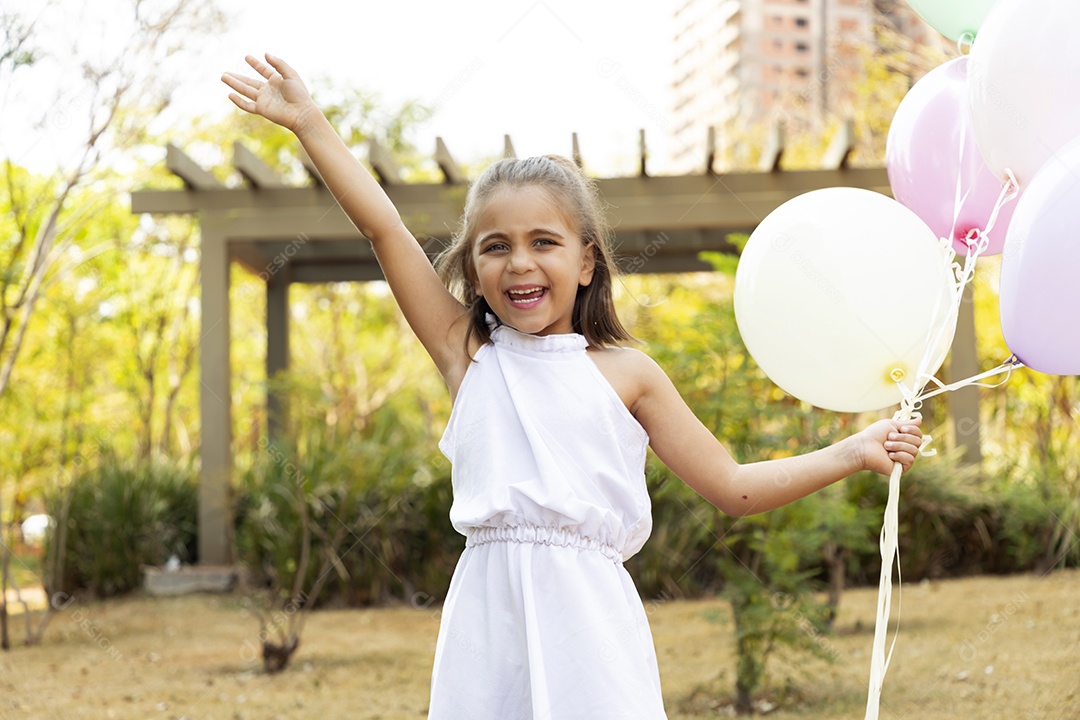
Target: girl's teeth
526 297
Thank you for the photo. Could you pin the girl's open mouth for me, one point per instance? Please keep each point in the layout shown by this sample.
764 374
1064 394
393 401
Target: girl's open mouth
526 298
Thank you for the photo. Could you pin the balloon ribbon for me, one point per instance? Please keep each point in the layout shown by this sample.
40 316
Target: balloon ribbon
909 410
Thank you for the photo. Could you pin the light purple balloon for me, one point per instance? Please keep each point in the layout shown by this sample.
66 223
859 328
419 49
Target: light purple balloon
923 158
1040 290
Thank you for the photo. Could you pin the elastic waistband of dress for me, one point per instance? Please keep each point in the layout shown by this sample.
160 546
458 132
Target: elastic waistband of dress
543 535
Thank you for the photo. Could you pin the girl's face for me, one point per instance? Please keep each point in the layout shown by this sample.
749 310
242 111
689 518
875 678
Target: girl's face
529 261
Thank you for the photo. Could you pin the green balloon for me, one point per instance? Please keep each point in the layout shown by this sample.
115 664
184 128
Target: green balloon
953 18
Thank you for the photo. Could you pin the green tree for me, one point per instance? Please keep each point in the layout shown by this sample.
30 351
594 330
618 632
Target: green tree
47 225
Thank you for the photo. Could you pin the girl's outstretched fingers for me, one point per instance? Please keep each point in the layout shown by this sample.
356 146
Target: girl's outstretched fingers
282 67
279 95
267 71
246 91
892 441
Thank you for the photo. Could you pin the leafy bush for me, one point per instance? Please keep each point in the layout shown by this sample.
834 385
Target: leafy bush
955 523
122 516
377 503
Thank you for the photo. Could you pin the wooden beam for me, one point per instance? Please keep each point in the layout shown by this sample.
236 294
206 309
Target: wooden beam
774 149
180 202
575 151
428 209
255 171
301 251
194 176
642 168
710 150
732 203
508 148
662 264
349 272
250 257
839 151
657 243
450 170
309 165
383 163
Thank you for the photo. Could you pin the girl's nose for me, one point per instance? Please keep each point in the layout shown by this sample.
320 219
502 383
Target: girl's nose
520 260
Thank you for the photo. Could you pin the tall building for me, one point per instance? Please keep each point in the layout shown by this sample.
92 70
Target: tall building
748 61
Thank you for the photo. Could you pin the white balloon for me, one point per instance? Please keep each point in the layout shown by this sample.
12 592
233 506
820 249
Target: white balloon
841 290
1023 78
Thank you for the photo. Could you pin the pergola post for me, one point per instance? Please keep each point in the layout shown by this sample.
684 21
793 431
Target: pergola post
215 505
964 403
277 348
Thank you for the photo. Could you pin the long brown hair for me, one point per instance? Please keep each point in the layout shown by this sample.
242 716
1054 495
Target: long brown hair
594 310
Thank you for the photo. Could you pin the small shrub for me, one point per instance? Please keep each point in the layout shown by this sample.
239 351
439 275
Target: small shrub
385 488
122 516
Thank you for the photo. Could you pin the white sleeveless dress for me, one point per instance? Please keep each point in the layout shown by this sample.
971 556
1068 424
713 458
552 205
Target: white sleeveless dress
542 621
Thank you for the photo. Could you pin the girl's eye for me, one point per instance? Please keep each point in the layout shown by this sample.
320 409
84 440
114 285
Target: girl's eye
503 247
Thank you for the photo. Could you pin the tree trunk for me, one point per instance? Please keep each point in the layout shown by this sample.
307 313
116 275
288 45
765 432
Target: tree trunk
747 668
276 657
836 562
5 643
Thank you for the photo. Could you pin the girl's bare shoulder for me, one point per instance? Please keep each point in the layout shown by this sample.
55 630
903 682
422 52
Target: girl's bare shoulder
629 371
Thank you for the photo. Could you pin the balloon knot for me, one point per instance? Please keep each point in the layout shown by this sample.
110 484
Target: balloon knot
897 374
965 41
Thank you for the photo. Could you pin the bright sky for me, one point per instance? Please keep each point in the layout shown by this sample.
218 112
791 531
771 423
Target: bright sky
536 69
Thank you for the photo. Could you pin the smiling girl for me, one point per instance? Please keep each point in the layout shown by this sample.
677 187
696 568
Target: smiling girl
549 430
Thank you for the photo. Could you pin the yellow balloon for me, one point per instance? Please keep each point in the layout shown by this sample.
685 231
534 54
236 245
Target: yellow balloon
843 293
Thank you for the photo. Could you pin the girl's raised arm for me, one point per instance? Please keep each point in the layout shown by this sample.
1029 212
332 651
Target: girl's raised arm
434 314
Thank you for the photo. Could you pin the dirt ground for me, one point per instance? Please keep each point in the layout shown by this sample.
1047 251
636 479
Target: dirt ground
978 649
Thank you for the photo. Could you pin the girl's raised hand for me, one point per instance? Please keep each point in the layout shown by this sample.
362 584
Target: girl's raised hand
280 96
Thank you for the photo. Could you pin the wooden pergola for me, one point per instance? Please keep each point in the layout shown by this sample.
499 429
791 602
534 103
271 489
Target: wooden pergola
287 234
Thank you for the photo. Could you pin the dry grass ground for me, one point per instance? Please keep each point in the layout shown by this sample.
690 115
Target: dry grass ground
978 649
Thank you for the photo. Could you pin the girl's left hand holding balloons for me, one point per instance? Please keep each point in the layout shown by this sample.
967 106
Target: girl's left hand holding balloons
891 441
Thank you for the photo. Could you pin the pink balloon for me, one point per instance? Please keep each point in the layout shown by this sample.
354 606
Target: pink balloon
924 160
1039 292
